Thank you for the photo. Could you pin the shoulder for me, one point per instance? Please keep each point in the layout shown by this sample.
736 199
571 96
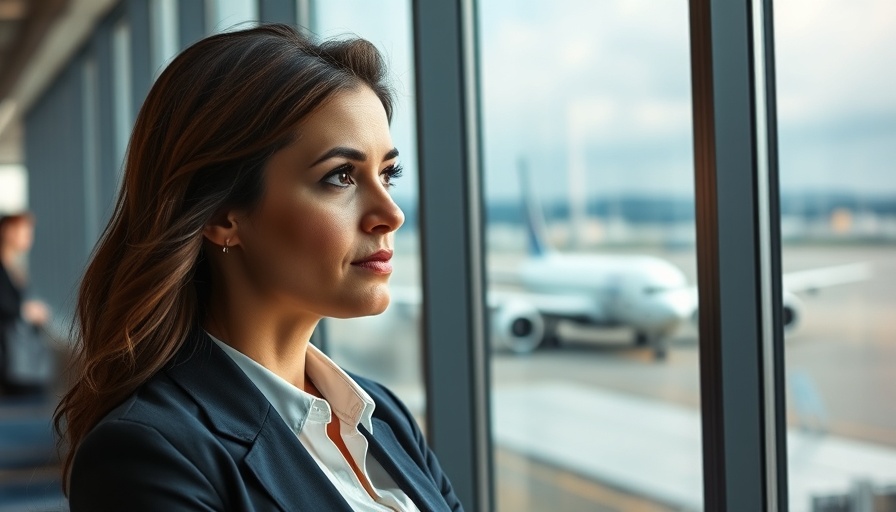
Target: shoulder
157 415
159 404
127 465
154 440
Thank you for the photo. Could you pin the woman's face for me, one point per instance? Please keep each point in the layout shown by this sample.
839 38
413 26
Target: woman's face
321 238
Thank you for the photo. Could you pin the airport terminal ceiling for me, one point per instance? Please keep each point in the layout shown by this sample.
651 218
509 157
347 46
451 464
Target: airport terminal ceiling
36 39
20 22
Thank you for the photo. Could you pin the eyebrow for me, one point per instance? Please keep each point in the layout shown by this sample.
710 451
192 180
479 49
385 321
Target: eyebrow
351 154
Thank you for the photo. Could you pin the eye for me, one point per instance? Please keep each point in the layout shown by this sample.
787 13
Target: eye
340 177
391 173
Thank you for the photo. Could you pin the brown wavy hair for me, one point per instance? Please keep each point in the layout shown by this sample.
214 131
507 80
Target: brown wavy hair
200 144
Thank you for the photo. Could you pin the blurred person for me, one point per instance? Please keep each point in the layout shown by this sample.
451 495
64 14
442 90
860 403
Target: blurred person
255 202
16 237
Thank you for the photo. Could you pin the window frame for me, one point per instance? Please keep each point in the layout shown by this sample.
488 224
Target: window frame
738 256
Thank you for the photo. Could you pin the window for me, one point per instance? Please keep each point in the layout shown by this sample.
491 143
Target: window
586 123
836 108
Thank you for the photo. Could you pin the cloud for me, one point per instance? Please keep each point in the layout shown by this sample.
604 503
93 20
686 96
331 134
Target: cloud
608 83
835 58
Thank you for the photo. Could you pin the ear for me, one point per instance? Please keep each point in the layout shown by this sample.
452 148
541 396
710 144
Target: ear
223 229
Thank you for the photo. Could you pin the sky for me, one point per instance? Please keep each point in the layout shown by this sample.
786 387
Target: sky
605 85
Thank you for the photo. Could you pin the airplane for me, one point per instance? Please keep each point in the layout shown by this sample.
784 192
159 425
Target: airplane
646 294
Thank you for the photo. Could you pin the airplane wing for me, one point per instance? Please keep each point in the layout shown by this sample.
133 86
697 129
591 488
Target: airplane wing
813 280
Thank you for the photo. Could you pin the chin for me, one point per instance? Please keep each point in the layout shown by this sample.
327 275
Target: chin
379 306
368 306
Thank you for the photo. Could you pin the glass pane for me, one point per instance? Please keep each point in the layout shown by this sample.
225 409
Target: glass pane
837 123
586 118
386 347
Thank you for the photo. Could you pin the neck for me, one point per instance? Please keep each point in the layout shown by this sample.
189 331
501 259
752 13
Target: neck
274 338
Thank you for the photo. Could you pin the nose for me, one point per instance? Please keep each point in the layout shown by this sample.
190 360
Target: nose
381 215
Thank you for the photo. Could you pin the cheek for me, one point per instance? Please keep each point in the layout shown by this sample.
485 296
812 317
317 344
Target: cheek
316 234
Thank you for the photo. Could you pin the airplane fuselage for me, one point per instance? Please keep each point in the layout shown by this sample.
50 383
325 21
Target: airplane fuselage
637 291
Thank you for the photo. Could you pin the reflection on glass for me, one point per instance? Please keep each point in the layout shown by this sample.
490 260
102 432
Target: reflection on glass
589 191
386 347
836 115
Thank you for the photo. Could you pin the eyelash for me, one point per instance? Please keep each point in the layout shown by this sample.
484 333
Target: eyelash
392 172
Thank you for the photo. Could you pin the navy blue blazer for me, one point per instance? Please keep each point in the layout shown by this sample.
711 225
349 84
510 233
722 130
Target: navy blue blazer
200 436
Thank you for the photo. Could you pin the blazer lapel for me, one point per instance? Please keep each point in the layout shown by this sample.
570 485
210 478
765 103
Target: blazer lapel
238 410
288 471
407 474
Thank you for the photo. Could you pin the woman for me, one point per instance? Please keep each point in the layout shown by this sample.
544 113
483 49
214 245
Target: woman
255 202
16 236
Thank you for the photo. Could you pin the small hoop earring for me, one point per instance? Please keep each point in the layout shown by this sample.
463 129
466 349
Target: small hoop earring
226 248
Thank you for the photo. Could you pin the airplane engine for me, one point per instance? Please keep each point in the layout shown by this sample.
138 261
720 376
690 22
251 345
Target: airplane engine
792 310
518 326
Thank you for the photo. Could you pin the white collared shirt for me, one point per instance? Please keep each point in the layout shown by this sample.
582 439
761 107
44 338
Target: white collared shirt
307 416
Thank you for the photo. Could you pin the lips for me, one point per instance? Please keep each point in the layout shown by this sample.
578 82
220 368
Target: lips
377 262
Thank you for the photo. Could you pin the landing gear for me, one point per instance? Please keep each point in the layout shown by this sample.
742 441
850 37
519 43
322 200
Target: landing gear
660 351
551 337
641 339
655 341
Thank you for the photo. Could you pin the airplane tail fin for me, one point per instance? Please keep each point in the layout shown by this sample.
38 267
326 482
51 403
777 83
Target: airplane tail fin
536 232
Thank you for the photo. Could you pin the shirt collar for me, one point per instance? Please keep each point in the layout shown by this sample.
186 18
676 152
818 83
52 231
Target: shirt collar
348 401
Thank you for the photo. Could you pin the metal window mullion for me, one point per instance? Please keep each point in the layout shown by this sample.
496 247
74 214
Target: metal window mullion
108 166
776 401
455 355
191 26
740 299
277 11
